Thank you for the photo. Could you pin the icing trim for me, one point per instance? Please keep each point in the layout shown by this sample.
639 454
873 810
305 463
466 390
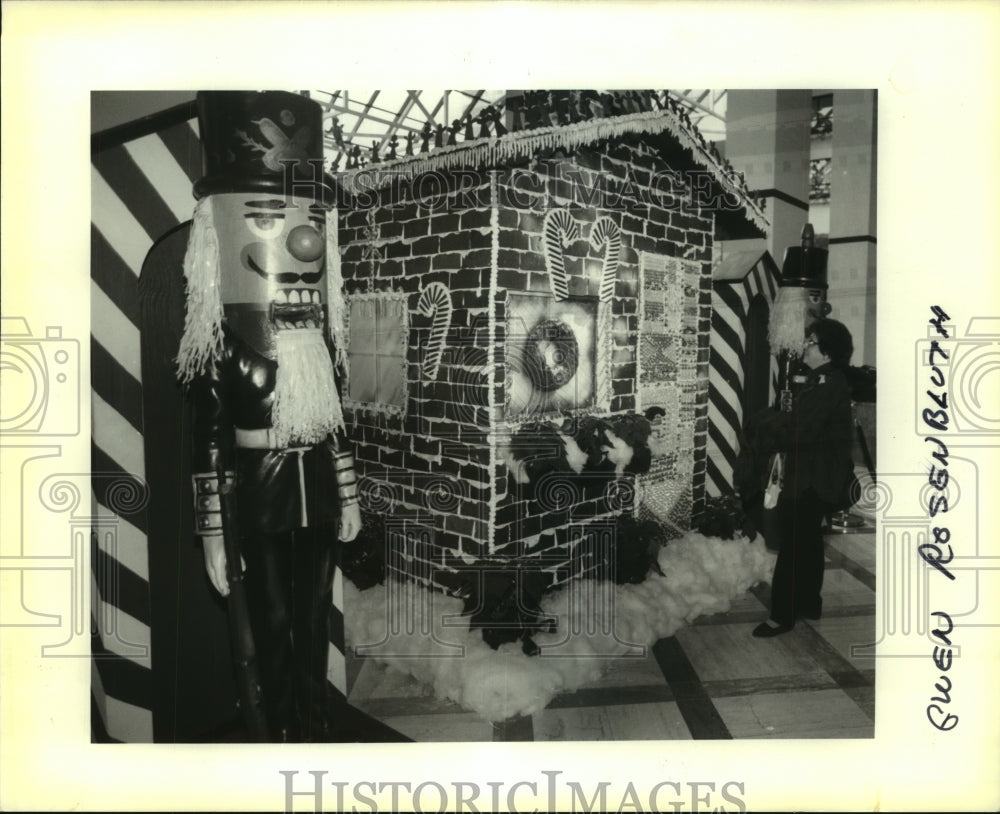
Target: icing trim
493 344
524 144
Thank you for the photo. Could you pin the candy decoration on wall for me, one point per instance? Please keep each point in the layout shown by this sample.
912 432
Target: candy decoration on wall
606 233
435 301
559 230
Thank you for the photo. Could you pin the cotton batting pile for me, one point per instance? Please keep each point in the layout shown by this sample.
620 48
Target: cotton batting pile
596 621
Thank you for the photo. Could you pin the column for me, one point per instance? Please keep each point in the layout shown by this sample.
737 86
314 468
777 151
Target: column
767 139
851 268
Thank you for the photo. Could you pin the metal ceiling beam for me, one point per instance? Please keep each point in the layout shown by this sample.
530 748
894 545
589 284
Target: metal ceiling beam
437 107
472 104
370 118
415 95
398 121
328 104
687 100
368 107
363 115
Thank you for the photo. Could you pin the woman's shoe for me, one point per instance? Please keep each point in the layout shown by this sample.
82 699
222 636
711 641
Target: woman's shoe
766 631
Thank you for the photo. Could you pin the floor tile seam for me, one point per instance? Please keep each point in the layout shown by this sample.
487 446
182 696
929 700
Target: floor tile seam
702 719
855 693
522 727
730 618
845 674
770 685
828 661
700 715
566 700
841 560
852 678
753 617
397 707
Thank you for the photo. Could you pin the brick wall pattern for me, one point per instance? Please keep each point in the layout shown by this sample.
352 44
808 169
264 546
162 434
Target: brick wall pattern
433 466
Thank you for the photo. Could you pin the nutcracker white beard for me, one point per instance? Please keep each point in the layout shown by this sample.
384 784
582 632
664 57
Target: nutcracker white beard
306 406
789 318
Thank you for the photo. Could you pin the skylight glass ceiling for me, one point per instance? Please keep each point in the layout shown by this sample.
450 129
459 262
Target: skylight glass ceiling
374 116
367 118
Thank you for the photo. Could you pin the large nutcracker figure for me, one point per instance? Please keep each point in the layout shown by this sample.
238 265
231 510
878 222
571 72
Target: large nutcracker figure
274 479
801 300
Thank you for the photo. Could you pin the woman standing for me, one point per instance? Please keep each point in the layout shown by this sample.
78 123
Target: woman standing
815 438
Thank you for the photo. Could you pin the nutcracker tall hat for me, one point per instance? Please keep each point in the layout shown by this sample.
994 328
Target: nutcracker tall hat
804 266
262 141
801 295
262 257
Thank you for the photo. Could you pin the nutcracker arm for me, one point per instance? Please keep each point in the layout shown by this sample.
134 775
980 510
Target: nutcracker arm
343 462
215 562
213 461
347 487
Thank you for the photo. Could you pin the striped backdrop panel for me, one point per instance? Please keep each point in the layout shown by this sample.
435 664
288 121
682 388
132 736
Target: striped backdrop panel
727 370
140 190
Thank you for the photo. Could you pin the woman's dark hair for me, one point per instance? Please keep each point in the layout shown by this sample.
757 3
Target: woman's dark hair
833 340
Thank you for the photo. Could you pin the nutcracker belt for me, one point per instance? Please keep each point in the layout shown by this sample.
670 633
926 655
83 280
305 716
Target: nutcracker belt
264 439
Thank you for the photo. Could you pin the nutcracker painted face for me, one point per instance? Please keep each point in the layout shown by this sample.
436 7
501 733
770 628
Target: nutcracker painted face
801 299
816 305
272 256
256 263
261 236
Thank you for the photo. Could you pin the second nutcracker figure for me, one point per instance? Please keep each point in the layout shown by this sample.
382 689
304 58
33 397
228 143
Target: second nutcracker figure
274 477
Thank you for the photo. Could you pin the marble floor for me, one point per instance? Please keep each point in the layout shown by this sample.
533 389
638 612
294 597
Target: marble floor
712 680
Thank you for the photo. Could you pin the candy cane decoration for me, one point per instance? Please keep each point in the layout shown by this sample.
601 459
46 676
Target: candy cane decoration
560 230
607 233
435 301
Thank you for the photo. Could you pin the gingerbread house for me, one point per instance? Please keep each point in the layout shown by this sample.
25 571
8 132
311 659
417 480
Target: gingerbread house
553 266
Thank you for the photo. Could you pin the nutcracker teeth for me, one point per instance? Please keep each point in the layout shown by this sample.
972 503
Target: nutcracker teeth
281 297
315 296
293 297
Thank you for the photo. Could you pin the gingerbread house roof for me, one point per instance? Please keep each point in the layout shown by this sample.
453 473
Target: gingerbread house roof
662 122
735 266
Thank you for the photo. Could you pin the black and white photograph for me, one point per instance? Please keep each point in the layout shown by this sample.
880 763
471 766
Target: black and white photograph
586 425
538 424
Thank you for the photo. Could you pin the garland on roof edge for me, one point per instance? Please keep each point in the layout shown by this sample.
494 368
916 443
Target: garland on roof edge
522 145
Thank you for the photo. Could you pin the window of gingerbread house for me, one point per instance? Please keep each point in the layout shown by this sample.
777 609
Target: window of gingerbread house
378 334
